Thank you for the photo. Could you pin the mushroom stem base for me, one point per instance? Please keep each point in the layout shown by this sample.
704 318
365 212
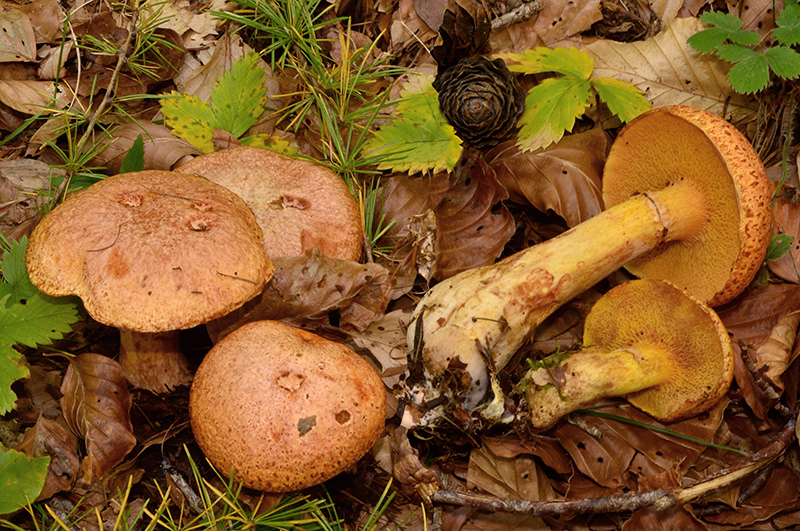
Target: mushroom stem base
153 361
585 376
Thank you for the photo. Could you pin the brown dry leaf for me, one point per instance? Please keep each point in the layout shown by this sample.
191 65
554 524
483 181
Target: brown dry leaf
53 60
666 9
481 521
605 459
787 221
669 519
780 493
756 15
564 177
17 39
28 97
561 19
670 72
507 474
49 438
775 354
473 224
751 318
162 150
96 405
20 182
385 339
309 286
46 18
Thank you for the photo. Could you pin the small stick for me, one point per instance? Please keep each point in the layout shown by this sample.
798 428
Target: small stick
521 13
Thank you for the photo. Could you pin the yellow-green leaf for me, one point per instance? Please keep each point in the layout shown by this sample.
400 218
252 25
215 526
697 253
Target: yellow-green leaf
567 61
239 96
550 110
190 118
622 98
273 142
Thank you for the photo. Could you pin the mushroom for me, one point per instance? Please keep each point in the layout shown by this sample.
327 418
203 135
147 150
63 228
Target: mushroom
299 204
284 409
151 253
687 201
664 351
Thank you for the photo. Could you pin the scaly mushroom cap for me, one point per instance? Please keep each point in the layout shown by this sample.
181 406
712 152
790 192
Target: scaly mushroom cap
284 409
677 144
151 251
299 204
645 313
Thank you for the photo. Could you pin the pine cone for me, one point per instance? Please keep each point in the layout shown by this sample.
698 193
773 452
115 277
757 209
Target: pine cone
481 99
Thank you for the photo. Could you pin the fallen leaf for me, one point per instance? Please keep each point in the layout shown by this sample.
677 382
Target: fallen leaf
162 150
560 19
787 221
775 354
669 71
30 97
49 438
780 493
508 476
750 318
20 182
669 519
46 19
472 222
17 39
385 339
564 178
96 405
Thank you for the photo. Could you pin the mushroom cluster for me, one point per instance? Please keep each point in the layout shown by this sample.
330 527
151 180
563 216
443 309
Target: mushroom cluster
151 253
663 350
284 409
687 201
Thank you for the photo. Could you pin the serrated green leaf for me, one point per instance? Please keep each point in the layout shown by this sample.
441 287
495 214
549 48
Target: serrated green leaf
415 147
622 98
21 479
745 37
567 61
134 158
551 108
779 245
419 101
784 61
750 75
12 368
735 53
17 284
39 321
707 40
721 20
788 30
239 97
191 119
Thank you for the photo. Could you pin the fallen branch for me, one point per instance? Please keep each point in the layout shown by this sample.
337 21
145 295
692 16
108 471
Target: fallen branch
661 499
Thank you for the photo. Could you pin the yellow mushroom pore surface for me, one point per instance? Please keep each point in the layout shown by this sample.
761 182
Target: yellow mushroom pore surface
656 314
283 408
676 145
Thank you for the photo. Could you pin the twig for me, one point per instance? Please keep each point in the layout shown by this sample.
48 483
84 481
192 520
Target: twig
660 499
122 58
521 13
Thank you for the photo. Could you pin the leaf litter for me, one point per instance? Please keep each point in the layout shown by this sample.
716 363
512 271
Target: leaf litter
76 411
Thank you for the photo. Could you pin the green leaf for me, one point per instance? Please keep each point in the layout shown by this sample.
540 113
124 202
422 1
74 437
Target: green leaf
420 139
749 75
707 40
551 108
39 321
21 479
190 118
17 284
727 28
273 142
734 53
567 61
134 159
788 30
239 97
622 98
784 61
779 245
12 368
721 20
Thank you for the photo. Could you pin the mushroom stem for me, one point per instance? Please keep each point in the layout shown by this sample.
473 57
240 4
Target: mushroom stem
153 361
585 376
491 311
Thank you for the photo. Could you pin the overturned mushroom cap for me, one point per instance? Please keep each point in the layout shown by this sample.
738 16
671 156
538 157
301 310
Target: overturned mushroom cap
299 204
284 409
151 251
679 146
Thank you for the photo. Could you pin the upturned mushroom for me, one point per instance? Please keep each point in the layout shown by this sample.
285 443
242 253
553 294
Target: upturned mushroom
663 350
299 204
687 201
151 253
284 409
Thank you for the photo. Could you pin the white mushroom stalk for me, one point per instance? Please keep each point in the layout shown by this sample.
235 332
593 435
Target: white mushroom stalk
691 206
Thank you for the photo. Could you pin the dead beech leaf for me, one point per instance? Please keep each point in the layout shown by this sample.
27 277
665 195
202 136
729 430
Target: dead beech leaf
472 222
750 318
17 39
564 178
20 180
309 286
49 438
508 476
560 19
776 352
162 150
46 18
96 405
787 221
669 71
386 341
669 519
29 97
779 493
